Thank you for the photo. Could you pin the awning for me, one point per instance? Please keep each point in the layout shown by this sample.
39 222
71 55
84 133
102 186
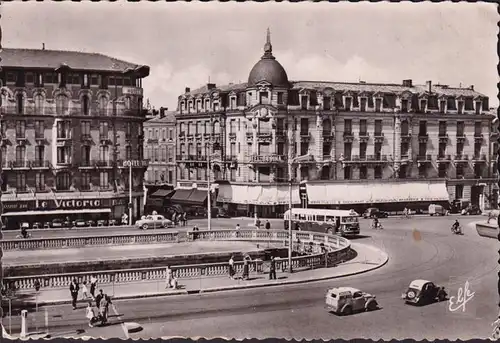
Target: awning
181 195
56 212
198 197
189 197
383 192
258 195
162 193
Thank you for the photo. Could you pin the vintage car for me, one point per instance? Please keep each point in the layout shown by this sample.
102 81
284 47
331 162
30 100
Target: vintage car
57 223
423 292
80 223
347 300
153 221
374 212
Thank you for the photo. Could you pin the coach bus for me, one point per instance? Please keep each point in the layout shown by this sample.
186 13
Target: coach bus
341 222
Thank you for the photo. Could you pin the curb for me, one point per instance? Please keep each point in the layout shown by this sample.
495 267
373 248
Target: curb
231 288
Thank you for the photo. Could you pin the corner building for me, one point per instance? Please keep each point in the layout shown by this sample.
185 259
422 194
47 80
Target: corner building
347 145
70 120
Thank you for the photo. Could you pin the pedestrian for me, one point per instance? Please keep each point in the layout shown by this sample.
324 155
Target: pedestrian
93 285
98 298
268 225
85 291
237 230
74 288
185 218
272 269
246 269
231 268
168 280
90 314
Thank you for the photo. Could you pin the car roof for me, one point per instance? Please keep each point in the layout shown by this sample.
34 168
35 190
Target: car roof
419 283
345 289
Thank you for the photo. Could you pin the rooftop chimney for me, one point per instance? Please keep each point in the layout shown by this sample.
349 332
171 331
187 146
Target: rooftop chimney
429 86
187 90
162 112
211 86
362 82
472 87
408 83
43 46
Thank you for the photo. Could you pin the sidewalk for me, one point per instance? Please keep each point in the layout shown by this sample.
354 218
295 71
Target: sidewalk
369 258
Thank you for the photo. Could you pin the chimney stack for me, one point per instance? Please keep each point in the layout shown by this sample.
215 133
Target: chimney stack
43 46
187 90
429 86
162 112
408 83
211 86
472 87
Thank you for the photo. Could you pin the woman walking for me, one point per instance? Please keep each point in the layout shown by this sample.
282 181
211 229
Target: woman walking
246 269
168 281
231 268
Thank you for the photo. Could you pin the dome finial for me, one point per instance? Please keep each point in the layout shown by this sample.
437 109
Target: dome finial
268 48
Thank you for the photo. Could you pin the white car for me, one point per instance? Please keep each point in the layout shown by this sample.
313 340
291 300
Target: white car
154 222
347 300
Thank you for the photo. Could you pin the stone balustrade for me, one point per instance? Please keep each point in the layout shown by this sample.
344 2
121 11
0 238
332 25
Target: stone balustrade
88 241
326 251
489 230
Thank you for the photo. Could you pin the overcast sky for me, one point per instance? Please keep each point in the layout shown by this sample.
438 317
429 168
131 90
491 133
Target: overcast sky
186 43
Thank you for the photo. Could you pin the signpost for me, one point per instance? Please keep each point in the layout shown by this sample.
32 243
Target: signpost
130 164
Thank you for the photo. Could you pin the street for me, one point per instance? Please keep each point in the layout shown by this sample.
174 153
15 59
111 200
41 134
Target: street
419 248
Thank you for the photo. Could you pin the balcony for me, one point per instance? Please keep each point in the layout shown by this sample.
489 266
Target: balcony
267 159
21 140
378 137
460 137
232 137
423 137
443 137
151 141
459 158
103 164
19 164
327 136
281 136
40 139
424 158
305 136
104 139
40 164
364 137
405 137
479 158
478 137
443 158
348 137
86 138
64 163
85 164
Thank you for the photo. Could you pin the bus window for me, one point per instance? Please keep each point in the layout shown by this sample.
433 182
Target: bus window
350 219
320 218
330 218
302 217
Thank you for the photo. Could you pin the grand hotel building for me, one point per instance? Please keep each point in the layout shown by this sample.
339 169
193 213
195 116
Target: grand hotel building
69 121
342 144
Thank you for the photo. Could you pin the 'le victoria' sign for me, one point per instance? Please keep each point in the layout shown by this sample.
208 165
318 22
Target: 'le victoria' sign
67 204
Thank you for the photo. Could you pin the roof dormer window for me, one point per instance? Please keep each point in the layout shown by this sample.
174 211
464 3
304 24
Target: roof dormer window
423 105
348 103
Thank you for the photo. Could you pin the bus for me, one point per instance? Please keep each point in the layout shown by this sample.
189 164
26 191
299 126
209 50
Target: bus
343 222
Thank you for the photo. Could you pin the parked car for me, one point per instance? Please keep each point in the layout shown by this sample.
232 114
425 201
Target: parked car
112 222
374 212
154 222
437 210
102 222
347 300
80 223
471 210
91 223
57 223
423 292
37 225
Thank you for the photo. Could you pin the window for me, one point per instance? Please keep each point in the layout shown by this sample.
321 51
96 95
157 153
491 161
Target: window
21 181
478 129
422 170
326 149
39 129
85 105
442 129
405 147
460 170
170 156
85 127
64 155
442 106
362 150
460 148
86 155
104 153
103 130
378 104
422 128
460 107
477 149
327 103
128 152
377 172
304 126
378 127
39 104
304 148
39 154
460 129
11 77
63 181
103 105
62 104
348 126
171 134
422 149
40 181
20 129
363 104
442 171
478 171
103 179
20 103
404 105
4 155
347 172
405 130
348 103
363 172
347 150
442 149
20 154
303 102
85 181
403 171
459 191
280 98
378 151
363 130
63 129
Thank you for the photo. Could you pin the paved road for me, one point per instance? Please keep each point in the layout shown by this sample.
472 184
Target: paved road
418 248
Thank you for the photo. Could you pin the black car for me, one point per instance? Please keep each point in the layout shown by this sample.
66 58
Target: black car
374 212
472 210
423 292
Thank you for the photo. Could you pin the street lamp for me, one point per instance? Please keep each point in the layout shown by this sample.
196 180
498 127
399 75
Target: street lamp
209 202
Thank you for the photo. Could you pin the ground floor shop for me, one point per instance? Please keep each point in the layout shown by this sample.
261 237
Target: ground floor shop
45 209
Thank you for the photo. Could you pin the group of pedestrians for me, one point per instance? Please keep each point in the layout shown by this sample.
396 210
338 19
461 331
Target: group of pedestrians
180 218
101 300
245 275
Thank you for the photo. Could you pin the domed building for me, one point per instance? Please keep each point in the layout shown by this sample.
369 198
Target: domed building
393 145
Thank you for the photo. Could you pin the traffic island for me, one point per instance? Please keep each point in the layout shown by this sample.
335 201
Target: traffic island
489 230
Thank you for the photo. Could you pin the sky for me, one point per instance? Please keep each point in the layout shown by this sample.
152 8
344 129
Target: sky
186 44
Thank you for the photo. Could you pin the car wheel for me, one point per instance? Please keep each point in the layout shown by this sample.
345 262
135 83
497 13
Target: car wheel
347 311
441 296
145 226
372 306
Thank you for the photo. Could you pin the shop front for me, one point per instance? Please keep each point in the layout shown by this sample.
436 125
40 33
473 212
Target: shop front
43 210
267 201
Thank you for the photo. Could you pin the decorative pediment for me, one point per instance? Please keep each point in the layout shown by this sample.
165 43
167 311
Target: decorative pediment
81 93
328 91
349 93
460 98
7 92
63 91
478 98
442 96
423 96
378 94
406 95
261 112
102 93
232 94
364 94
199 96
206 96
215 94
304 91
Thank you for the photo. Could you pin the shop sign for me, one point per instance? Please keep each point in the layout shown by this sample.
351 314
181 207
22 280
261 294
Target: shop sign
131 91
17 205
119 201
68 204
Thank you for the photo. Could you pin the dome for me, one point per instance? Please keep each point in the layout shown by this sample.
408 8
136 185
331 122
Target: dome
268 69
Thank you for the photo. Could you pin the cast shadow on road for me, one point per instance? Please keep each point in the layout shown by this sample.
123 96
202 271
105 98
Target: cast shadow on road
353 238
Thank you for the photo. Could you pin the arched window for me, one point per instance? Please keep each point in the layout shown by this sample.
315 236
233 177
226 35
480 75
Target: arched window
103 105
62 105
216 127
85 105
39 104
404 128
327 126
63 181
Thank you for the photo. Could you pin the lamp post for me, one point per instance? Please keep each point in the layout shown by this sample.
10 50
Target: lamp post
130 193
290 206
209 198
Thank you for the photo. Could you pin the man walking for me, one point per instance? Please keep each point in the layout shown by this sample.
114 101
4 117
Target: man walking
93 285
268 225
74 288
272 269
